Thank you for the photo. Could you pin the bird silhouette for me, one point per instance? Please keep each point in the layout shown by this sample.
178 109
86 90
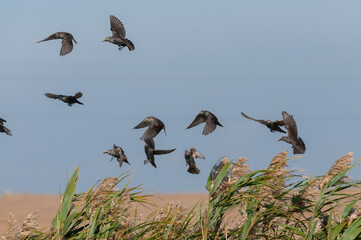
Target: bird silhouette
209 118
272 125
3 128
154 127
150 152
118 153
70 100
66 44
292 137
190 156
119 35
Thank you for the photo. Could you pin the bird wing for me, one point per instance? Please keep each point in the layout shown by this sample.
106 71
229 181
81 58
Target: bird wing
66 47
209 127
257 120
145 123
78 95
200 118
290 125
51 95
6 130
51 37
151 132
279 122
161 152
150 143
117 27
197 154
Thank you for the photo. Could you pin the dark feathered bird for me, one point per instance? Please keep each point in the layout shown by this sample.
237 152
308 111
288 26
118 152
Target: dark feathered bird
272 125
118 153
119 35
190 156
70 100
150 152
154 127
209 118
3 128
297 143
66 44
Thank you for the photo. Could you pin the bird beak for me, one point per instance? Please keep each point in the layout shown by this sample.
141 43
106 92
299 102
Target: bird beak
104 152
104 40
75 41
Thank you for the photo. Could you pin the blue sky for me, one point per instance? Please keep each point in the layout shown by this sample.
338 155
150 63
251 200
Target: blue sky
259 57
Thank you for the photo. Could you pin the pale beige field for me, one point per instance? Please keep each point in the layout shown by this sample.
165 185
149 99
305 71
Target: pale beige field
23 204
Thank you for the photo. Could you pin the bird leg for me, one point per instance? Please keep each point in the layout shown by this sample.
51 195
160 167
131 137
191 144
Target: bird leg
146 162
120 48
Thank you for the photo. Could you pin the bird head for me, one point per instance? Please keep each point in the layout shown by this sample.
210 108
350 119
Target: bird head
283 138
107 39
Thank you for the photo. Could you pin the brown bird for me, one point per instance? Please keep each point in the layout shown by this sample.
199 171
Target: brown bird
118 37
118 153
190 156
209 118
297 143
150 152
272 125
70 100
66 44
3 128
154 127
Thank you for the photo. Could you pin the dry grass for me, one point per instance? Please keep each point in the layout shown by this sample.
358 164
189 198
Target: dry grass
243 204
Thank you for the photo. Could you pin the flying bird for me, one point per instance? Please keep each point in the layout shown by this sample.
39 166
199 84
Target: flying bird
190 156
154 127
118 153
66 44
209 118
70 100
3 128
150 152
272 125
292 137
119 35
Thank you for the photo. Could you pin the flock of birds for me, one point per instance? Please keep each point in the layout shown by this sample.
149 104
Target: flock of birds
154 124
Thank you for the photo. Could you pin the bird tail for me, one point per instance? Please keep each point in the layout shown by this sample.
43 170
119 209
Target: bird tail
129 44
193 170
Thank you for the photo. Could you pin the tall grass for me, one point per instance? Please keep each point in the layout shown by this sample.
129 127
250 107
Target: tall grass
273 203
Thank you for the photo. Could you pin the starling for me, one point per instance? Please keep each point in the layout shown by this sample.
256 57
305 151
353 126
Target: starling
209 118
154 127
3 128
118 153
118 37
190 156
272 125
66 44
150 152
70 100
297 143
